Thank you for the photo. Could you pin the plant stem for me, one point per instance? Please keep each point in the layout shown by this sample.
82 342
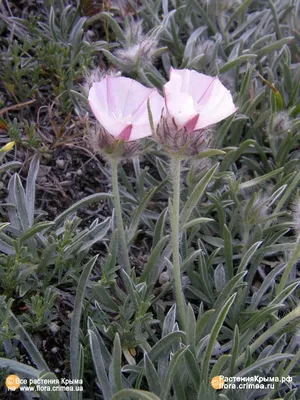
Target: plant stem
123 253
175 170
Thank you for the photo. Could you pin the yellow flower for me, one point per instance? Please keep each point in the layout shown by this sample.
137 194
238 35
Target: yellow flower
9 146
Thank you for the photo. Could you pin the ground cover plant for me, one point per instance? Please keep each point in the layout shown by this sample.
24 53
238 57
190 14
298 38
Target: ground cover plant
143 275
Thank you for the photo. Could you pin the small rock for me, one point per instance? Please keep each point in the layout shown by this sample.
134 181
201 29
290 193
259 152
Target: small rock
54 350
60 163
185 281
164 277
54 328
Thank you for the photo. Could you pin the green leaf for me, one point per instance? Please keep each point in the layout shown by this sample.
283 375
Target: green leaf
116 363
193 367
152 376
109 18
260 179
104 298
30 187
268 282
40 226
159 227
104 383
270 48
196 195
282 296
190 327
214 335
247 256
9 165
26 341
19 368
209 153
196 221
172 369
98 197
219 366
234 350
271 331
3 225
228 253
164 344
137 394
229 288
202 323
20 198
236 62
151 270
262 362
75 324
150 117
135 219
106 355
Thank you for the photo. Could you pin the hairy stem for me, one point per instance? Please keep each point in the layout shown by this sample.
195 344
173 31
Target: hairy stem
123 252
175 170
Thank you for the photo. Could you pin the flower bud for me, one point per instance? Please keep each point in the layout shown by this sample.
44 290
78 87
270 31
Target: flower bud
9 146
207 48
97 75
296 214
139 50
281 122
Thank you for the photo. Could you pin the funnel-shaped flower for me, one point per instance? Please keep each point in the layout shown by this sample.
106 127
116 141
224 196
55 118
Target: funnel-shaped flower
195 101
120 105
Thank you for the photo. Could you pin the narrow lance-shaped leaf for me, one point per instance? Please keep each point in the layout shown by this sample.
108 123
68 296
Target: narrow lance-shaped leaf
214 335
152 376
172 369
75 324
30 187
196 195
116 363
104 383
134 393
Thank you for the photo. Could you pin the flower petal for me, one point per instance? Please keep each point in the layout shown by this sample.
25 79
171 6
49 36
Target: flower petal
215 105
126 133
179 105
156 105
120 105
194 83
190 94
109 123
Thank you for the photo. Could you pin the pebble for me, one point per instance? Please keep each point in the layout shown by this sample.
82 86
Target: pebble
164 277
60 163
54 328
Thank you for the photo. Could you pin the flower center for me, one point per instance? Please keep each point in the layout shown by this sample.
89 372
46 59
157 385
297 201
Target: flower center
118 117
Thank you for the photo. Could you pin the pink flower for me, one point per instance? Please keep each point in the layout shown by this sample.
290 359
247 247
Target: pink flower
195 101
120 105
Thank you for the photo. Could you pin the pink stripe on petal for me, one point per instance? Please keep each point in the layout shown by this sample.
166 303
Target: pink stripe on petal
191 124
126 132
207 89
109 96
